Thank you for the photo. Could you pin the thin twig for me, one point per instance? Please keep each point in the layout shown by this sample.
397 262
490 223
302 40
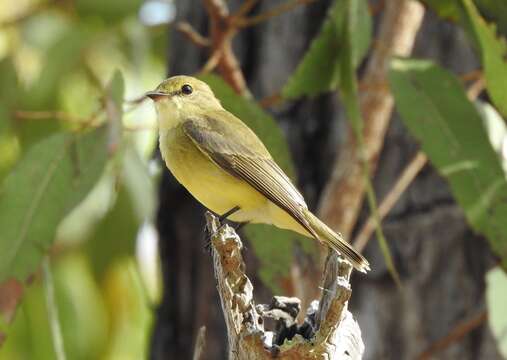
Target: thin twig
476 88
193 35
246 7
391 198
217 8
212 61
276 11
471 75
271 100
47 114
51 306
456 334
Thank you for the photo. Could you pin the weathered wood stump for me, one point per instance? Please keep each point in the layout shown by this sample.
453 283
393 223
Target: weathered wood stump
328 332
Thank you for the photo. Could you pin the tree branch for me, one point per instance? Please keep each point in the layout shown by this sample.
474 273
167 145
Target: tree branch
192 34
328 332
406 178
276 11
344 193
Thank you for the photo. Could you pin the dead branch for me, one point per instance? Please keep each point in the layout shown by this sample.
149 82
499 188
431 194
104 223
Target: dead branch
344 193
192 34
406 178
456 334
223 26
328 331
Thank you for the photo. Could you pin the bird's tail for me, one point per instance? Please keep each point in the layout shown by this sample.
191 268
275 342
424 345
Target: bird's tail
335 241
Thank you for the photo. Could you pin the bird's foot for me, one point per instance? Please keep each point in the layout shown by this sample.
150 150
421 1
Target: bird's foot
208 235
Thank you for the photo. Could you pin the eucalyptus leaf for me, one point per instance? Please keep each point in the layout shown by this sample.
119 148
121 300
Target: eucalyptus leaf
134 203
53 177
62 57
492 51
435 109
319 72
496 293
496 129
350 97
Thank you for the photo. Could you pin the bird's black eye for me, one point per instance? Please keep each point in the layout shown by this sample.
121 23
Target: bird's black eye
186 89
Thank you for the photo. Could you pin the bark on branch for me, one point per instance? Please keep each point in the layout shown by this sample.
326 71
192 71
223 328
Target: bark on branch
328 331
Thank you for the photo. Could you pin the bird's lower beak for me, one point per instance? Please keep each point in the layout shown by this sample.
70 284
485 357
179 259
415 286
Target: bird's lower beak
156 95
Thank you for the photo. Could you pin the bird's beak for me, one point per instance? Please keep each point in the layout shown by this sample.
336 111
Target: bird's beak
156 95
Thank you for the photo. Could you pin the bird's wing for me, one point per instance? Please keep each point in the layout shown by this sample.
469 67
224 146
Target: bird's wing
233 151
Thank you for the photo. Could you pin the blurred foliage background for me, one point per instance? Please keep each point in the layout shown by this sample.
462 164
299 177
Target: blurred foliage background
79 268
84 193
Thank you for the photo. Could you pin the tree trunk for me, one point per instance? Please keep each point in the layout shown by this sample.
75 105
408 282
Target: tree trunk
441 261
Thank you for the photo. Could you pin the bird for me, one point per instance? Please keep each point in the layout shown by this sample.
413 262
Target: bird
227 168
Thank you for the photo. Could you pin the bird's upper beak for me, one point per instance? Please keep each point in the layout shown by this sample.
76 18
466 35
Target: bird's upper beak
156 95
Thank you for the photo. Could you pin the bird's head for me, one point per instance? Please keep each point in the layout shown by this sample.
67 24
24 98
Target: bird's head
183 94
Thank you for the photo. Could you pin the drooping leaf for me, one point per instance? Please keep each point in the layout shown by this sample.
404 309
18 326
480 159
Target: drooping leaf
82 312
435 109
319 72
9 83
264 238
349 94
62 57
496 129
494 10
496 293
115 235
446 9
492 51
53 177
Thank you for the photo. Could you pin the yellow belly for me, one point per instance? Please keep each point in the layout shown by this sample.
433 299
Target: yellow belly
209 184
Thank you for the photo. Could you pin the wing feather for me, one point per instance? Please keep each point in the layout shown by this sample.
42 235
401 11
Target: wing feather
235 155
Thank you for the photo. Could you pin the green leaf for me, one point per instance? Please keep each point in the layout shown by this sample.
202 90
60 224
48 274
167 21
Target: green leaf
496 293
115 235
135 202
493 51
272 245
319 72
435 109
111 10
496 11
350 98
9 84
446 9
62 57
496 129
52 178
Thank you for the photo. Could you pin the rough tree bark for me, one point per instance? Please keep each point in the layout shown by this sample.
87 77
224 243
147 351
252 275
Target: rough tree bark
328 332
441 261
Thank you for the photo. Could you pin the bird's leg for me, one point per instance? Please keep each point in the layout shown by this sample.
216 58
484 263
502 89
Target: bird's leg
221 219
225 215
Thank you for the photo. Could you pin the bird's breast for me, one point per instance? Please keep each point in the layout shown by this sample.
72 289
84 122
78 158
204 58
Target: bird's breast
215 188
